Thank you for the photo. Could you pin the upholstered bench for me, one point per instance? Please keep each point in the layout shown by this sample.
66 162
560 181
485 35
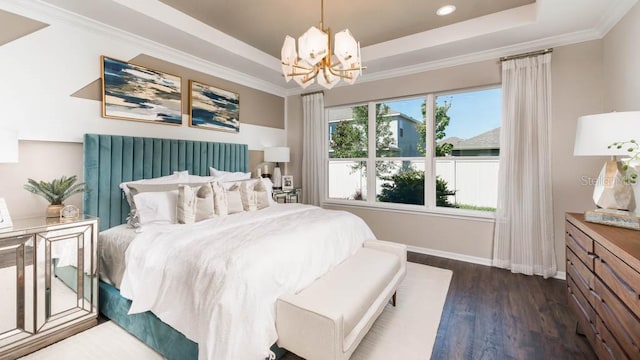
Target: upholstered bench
329 318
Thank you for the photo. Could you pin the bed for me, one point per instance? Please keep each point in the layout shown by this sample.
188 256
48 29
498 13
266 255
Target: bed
111 160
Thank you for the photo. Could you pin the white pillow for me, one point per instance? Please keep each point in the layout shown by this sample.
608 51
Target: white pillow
263 196
194 203
234 199
266 183
205 206
249 195
176 177
186 208
228 176
156 207
219 199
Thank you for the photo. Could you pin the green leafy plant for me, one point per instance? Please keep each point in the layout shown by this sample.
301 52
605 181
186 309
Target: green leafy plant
633 148
57 190
407 187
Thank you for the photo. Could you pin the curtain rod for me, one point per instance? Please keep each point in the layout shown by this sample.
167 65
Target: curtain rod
314 92
532 53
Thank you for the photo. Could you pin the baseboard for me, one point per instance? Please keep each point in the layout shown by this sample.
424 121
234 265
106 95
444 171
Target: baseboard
561 275
450 255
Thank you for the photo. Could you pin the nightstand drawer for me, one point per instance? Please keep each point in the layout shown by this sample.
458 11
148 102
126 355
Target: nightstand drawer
622 279
622 324
580 244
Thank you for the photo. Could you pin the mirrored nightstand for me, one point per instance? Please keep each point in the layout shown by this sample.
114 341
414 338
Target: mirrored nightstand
287 196
49 282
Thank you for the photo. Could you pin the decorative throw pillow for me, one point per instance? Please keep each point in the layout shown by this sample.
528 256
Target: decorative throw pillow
156 207
248 196
186 209
263 196
228 175
204 203
234 199
220 199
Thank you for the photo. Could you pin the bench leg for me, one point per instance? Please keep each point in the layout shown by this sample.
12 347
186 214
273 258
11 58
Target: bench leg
393 299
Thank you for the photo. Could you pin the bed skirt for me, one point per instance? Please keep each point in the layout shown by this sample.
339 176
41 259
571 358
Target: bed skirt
161 337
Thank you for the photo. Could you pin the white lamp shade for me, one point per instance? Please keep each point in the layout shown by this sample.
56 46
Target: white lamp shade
276 154
313 45
288 56
595 133
8 146
345 48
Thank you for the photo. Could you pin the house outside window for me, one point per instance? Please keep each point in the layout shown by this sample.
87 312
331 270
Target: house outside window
378 153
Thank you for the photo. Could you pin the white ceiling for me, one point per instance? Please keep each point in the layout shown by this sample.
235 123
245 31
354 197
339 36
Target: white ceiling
398 37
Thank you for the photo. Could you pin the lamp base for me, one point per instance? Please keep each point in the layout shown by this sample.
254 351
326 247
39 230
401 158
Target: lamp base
277 178
619 218
611 190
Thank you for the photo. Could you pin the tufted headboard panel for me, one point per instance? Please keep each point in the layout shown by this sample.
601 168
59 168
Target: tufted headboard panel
110 160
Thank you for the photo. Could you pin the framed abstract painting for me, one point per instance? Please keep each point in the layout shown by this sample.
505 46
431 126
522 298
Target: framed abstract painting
133 92
212 108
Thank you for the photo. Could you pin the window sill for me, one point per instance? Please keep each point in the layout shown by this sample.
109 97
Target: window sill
482 216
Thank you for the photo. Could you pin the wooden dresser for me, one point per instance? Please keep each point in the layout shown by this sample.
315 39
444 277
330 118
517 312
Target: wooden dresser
603 283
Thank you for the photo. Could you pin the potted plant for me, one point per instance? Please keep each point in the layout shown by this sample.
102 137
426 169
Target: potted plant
56 192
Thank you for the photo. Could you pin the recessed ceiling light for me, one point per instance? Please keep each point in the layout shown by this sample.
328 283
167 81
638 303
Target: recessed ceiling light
446 10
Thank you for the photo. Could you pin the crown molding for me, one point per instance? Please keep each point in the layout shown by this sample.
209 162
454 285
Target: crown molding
554 41
51 14
611 18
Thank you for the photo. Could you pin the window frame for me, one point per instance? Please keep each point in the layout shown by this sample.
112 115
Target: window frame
429 206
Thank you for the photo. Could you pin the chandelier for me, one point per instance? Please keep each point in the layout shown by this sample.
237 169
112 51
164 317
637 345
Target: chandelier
315 58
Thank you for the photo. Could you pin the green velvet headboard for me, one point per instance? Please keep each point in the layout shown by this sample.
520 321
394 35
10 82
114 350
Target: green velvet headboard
110 160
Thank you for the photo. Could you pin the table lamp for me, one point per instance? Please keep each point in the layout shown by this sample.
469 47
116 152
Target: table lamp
594 135
277 155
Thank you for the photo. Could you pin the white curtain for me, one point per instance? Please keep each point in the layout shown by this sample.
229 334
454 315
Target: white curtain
523 240
312 147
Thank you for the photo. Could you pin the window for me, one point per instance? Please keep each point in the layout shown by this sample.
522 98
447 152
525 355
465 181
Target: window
429 152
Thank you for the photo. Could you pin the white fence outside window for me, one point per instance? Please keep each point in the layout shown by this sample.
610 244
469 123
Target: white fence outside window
475 180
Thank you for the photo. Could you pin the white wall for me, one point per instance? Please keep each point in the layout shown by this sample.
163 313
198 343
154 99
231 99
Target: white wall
40 71
622 73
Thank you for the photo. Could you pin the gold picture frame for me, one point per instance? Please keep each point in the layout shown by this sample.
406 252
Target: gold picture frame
213 108
134 92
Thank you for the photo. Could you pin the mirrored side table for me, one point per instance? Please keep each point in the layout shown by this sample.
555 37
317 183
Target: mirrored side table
287 196
48 282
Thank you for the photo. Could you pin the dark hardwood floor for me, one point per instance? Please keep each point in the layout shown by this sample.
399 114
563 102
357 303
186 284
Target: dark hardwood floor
493 314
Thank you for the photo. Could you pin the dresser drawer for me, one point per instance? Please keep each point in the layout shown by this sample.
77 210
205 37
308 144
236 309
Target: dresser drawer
583 309
619 320
575 283
606 346
580 244
580 270
622 279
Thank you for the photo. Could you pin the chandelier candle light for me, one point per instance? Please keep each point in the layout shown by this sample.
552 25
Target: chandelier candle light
314 57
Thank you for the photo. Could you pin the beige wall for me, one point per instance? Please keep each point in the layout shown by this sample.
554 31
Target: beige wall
578 89
622 73
39 161
294 137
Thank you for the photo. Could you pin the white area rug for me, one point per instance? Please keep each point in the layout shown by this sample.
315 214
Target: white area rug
407 331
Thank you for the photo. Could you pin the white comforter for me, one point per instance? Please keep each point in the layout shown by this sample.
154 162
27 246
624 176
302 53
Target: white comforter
217 281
